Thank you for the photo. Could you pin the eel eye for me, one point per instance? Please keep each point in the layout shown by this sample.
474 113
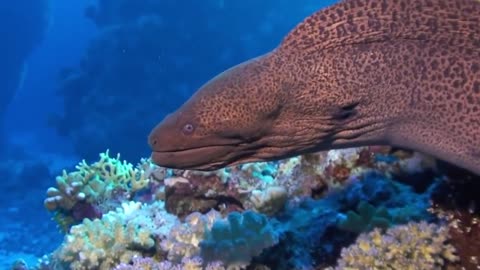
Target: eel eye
188 129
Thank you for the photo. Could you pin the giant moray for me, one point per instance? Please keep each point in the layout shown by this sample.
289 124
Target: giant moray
361 72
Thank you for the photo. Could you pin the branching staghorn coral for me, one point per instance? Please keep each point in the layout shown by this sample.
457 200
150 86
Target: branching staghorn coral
411 246
94 188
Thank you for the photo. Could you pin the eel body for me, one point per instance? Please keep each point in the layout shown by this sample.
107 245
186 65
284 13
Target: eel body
361 72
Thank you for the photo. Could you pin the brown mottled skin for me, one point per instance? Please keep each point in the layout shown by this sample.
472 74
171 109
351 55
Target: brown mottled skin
361 72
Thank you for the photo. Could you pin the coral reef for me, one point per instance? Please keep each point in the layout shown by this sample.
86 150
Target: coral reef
184 238
461 209
265 216
365 218
311 230
239 238
195 263
115 238
269 201
464 228
194 191
94 189
411 246
248 186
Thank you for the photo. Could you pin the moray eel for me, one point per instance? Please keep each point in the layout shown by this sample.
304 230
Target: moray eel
404 73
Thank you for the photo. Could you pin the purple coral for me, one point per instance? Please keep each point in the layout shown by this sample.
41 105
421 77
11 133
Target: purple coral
187 263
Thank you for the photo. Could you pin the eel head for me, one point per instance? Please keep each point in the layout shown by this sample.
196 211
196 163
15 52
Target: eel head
254 111
220 125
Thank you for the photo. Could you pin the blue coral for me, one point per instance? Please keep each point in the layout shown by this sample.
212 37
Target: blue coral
239 238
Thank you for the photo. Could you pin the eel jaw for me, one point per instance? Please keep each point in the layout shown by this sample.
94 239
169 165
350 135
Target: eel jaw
206 158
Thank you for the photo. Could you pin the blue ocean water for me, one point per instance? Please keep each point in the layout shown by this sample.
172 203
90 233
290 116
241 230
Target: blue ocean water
81 77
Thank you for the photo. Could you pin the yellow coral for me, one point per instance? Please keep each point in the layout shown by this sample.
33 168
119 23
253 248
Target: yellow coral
103 243
94 182
411 246
114 171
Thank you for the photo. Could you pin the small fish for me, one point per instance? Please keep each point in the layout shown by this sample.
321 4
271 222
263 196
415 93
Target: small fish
361 72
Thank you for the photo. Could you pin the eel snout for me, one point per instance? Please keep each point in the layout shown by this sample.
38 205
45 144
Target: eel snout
173 147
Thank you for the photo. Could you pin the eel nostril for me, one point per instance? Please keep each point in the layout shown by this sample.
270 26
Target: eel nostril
152 141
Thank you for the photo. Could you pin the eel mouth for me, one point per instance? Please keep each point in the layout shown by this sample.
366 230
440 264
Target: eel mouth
205 158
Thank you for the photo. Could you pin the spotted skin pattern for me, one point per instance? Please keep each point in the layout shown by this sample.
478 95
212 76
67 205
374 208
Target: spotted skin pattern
361 72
